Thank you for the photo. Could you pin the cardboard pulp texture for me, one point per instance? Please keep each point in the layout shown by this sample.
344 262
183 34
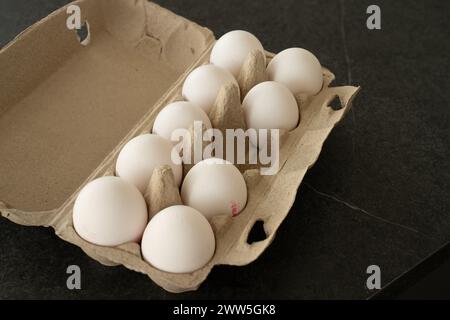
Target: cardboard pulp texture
67 107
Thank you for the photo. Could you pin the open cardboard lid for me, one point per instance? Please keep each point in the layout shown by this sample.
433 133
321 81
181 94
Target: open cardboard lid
64 105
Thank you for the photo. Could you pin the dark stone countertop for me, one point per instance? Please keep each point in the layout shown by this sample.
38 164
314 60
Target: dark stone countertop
379 193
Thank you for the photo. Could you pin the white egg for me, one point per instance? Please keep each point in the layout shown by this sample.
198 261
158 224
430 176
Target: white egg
178 115
203 84
214 187
298 69
109 211
231 50
270 105
142 154
178 239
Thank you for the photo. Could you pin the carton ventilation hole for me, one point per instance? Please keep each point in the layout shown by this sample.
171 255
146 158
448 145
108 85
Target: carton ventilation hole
335 103
257 233
83 34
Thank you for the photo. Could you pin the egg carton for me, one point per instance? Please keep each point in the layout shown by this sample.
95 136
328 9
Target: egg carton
270 197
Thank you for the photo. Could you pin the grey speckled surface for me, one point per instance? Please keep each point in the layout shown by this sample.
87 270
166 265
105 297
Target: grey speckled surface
379 193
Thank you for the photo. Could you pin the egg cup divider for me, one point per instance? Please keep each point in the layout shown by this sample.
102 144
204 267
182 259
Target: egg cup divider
162 190
270 198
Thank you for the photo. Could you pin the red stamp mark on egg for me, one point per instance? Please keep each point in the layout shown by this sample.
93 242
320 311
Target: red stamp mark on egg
234 209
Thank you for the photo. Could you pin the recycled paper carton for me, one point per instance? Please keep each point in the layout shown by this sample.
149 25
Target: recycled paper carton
67 107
